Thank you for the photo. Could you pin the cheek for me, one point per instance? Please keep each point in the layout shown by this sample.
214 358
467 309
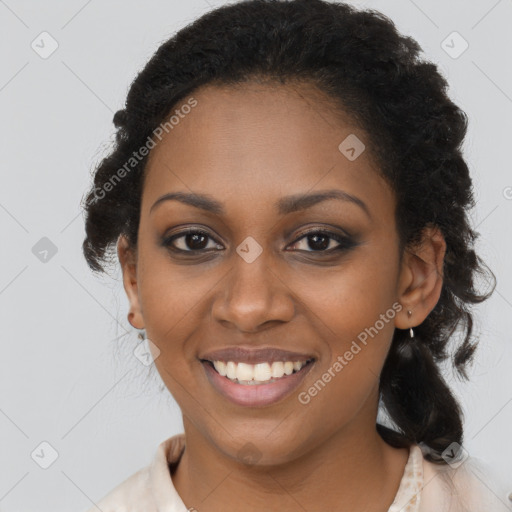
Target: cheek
170 303
352 309
352 296
167 291
357 342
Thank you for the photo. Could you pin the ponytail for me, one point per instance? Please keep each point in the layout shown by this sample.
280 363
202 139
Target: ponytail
418 399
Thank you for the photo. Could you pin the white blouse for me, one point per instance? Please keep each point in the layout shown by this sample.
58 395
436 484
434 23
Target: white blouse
424 487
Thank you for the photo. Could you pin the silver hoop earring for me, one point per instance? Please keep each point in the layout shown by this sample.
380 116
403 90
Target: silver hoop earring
411 332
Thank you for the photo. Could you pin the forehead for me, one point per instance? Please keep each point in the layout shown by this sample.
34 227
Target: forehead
260 141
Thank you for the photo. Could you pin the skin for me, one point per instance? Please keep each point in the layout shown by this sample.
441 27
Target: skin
247 147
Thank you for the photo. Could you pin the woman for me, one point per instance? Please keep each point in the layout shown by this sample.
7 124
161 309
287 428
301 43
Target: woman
289 205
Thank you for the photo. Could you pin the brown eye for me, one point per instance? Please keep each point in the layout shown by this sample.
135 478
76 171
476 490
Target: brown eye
323 241
191 240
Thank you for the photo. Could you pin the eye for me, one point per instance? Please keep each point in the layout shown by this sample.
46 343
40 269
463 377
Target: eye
323 241
197 241
191 240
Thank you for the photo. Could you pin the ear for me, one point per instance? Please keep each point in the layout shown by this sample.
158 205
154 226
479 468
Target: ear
421 278
127 259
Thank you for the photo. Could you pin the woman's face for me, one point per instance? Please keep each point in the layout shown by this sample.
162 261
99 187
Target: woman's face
253 278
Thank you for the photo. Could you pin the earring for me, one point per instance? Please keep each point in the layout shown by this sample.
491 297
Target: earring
411 332
141 335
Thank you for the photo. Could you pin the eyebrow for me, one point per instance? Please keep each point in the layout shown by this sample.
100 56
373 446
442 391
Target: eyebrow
285 205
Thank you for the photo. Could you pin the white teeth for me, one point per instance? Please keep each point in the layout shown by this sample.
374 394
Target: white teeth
220 366
231 370
244 371
254 373
277 369
262 372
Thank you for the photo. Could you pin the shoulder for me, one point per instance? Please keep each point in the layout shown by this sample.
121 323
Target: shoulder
471 486
150 488
131 494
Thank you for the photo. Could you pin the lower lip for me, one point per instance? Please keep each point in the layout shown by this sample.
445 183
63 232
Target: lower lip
253 395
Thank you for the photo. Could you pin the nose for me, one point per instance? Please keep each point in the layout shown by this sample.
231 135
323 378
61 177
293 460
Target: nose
254 296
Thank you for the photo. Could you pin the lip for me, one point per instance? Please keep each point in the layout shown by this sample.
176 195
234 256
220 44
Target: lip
242 354
257 395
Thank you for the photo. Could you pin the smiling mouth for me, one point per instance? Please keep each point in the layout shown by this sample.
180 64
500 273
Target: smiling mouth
257 374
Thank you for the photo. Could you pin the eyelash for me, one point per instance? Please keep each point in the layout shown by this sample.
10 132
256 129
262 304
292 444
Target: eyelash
345 242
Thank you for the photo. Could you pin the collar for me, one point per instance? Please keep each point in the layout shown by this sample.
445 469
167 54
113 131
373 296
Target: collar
164 493
169 452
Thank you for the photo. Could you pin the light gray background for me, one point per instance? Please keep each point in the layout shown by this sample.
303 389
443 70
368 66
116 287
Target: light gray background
67 373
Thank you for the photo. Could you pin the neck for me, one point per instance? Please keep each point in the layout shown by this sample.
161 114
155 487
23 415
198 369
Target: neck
354 469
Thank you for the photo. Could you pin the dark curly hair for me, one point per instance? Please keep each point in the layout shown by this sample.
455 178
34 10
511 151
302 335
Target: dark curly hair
372 73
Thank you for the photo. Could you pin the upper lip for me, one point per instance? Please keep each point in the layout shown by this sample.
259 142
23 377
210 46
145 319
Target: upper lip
255 355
